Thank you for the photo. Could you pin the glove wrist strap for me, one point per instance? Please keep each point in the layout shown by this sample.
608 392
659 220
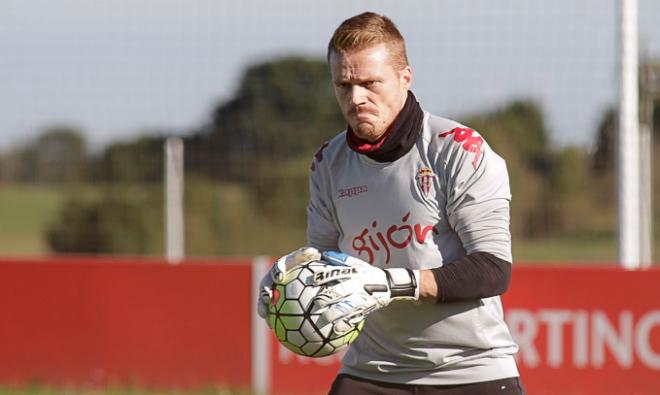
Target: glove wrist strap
403 283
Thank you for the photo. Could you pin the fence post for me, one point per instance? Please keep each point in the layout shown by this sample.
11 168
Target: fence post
174 231
261 351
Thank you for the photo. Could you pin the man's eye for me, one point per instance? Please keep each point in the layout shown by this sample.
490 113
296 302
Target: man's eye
369 84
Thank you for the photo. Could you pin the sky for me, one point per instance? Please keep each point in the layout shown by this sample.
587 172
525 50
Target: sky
116 69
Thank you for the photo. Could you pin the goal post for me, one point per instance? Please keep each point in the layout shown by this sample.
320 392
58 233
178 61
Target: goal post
628 140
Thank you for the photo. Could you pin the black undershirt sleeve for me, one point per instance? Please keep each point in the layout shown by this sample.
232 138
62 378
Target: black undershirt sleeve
475 276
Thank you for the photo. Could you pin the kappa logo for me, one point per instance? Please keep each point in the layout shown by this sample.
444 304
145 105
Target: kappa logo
471 142
425 179
334 274
352 191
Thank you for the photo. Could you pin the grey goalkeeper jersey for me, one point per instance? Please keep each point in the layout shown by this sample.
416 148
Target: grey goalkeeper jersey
448 196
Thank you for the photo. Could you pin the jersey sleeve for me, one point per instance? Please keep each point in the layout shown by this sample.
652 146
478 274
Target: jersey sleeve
322 231
478 193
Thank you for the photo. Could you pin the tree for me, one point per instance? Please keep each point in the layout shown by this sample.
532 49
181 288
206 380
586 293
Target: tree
140 160
519 126
282 110
58 155
603 156
579 205
117 221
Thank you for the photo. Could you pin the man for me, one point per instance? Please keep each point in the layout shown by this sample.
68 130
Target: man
425 201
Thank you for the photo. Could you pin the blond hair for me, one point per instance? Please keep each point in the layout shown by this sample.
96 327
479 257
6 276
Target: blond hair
367 30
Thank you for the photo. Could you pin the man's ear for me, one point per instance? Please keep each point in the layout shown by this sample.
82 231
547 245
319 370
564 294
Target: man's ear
406 75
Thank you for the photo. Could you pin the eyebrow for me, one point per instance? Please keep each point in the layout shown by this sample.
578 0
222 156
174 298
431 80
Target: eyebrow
357 80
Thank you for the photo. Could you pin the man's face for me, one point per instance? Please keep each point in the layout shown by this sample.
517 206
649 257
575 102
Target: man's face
369 90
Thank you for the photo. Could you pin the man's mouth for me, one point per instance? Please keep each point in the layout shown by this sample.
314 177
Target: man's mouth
363 114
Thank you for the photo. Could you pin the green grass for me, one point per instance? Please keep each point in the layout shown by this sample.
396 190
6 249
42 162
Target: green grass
25 214
580 249
585 249
27 211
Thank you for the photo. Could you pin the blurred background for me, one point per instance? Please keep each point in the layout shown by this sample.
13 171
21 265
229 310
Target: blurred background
90 90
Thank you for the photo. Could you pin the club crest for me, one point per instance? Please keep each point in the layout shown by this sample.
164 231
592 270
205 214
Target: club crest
425 179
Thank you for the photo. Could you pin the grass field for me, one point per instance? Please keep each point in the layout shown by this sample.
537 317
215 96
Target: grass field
25 214
27 211
583 250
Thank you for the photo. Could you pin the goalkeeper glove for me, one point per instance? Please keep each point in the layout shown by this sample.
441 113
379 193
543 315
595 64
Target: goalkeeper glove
277 274
366 289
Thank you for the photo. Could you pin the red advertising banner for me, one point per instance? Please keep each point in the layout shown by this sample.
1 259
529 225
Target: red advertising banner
580 331
143 322
93 321
586 330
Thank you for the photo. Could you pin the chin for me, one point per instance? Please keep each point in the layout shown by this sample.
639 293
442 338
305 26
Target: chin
369 133
366 133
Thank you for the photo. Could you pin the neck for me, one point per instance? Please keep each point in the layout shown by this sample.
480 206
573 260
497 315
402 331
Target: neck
397 140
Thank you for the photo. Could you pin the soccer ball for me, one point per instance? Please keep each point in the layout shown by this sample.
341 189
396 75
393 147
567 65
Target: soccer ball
294 312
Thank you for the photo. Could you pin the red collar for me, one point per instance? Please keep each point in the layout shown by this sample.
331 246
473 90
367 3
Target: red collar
399 138
363 146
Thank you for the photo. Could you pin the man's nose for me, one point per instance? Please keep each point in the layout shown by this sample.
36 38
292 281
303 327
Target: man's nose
358 95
